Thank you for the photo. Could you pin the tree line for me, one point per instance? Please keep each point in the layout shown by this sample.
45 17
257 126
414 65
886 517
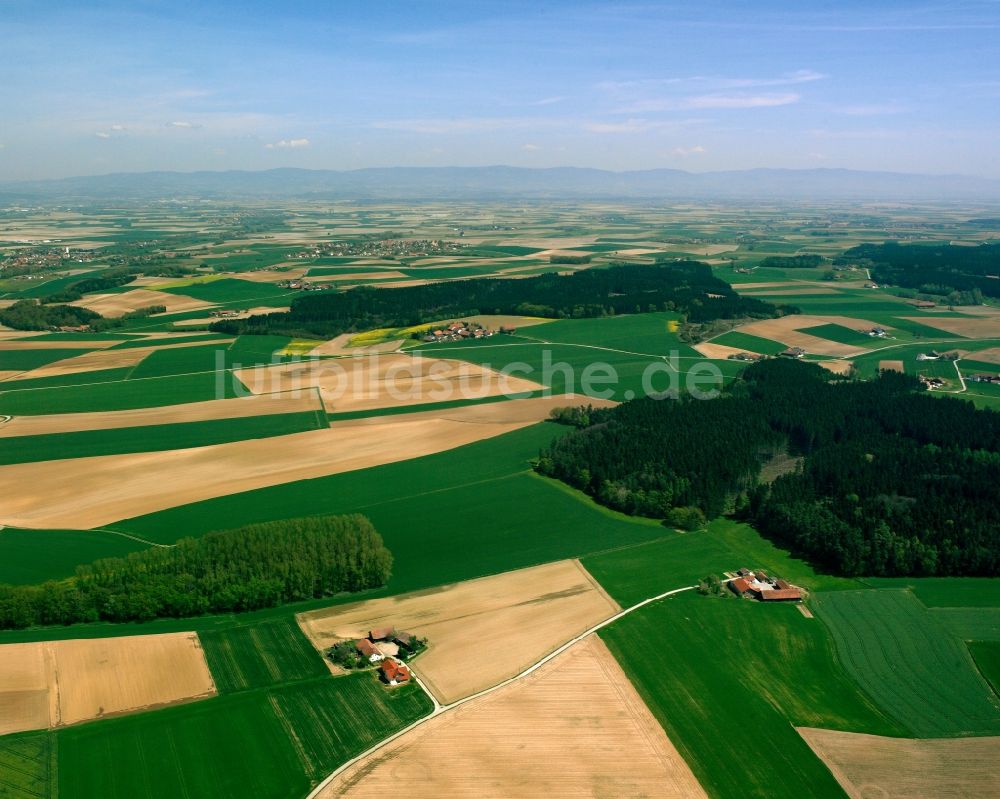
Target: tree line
892 481
257 566
685 286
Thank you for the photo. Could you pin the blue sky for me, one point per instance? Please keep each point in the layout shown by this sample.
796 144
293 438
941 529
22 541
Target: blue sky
99 87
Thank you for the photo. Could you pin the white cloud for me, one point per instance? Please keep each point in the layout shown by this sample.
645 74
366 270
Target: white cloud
118 127
287 144
549 100
459 125
686 151
531 148
181 125
102 135
742 100
638 125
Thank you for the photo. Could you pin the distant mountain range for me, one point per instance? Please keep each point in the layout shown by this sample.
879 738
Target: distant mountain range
505 182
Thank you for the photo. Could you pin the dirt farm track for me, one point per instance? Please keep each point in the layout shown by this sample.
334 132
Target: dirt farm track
576 727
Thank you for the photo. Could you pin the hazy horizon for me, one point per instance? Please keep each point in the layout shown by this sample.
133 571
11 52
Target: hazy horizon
157 86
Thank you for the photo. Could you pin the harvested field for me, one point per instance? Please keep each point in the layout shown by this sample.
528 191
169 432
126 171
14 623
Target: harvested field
837 367
256 405
341 346
54 683
718 351
575 728
385 274
891 366
112 305
986 327
480 632
786 330
270 275
874 767
992 355
89 492
772 285
384 381
207 320
805 290
107 359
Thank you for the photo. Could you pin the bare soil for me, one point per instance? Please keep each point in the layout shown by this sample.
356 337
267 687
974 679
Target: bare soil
480 632
874 767
54 683
576 728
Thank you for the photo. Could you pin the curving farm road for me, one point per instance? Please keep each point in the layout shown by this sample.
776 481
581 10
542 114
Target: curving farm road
439 708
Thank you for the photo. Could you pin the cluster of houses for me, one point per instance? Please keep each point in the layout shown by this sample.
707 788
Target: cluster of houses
384 648
459 331
303 285
792 352
750 357
758 585
932 382
934 355
226 313
985 378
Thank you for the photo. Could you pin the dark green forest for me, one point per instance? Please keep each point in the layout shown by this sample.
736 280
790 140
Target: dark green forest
685 286
793 261
30 315
961 274
253 567
892 481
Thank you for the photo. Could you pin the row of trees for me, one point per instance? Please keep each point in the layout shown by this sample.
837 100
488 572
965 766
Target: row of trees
685 286
892 481
253 567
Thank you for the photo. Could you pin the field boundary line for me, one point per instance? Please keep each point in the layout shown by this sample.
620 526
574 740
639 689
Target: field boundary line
439 709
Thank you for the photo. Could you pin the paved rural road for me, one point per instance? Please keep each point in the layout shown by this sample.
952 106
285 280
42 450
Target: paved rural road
439 708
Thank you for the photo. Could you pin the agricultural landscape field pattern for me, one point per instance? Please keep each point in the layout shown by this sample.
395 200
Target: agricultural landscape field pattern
126 438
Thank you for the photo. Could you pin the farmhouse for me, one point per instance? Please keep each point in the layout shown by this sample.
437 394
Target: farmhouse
380 634
369 650
793 352
923 304
757 585
394 673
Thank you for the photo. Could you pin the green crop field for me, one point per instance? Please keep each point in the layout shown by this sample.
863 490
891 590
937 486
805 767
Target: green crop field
970 624
916 670
34 556
648 333
151 438
946 592
267 743
729 679
261 654
178 339
27 765
745 341
24 360
425 517
232 290
118 394
634 573
986 654
843 335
